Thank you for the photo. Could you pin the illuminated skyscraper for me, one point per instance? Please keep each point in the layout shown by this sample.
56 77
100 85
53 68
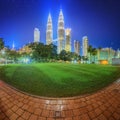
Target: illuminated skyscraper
36 35
85 46
106 54
68 40
118 53
61 32
77 47
49 31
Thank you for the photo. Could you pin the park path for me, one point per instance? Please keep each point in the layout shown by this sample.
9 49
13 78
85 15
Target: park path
103 105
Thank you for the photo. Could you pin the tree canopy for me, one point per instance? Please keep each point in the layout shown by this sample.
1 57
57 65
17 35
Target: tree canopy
1 43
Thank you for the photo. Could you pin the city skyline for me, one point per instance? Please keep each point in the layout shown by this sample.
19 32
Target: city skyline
99 23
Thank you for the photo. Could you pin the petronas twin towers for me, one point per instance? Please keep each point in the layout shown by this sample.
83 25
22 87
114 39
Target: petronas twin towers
60 32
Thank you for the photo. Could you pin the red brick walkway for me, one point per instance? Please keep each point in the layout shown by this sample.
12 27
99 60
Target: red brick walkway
103 105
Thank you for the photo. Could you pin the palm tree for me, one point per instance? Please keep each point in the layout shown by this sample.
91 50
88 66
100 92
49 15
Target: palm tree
90 50
94 53
84 58
98 52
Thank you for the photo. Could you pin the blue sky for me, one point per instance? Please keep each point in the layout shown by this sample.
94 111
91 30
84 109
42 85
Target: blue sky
97 19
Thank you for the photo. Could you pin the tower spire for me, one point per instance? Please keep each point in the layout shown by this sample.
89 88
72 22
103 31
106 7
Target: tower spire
49 18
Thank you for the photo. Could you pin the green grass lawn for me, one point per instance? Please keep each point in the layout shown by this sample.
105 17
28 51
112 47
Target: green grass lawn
59 79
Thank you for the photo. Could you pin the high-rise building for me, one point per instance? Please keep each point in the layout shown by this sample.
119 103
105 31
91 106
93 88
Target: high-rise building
118 53
68 40
36 35
106 54
49 31
85 46
61 32
77 47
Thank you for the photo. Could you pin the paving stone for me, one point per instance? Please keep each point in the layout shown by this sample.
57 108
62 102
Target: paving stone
69 113
102 117
102 105
20 111
92 114
52 114
68 118
20 118
33 117
98 111
14 108
84 117
42 118
45 113
116 116
37 111
14 116
26 115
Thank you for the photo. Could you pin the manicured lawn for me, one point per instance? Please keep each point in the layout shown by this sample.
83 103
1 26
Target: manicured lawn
59 79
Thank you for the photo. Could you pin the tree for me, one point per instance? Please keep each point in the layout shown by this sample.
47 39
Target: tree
90 49
10 55
93 52
68 56
13 55
50 51
84 58
1 43
54 51
62 55
41 52
98 52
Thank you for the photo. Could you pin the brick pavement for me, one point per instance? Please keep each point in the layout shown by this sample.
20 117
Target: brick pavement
103 105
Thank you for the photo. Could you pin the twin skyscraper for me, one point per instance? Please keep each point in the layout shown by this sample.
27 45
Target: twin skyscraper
63 35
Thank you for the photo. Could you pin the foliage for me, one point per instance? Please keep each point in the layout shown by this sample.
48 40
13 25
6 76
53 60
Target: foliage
43 52
1 43
84 58
68 56
93 52
13 55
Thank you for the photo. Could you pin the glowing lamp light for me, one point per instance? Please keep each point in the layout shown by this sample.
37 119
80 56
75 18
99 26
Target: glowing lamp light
104 62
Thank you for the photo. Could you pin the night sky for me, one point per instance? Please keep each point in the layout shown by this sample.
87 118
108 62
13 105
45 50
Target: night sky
97 19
